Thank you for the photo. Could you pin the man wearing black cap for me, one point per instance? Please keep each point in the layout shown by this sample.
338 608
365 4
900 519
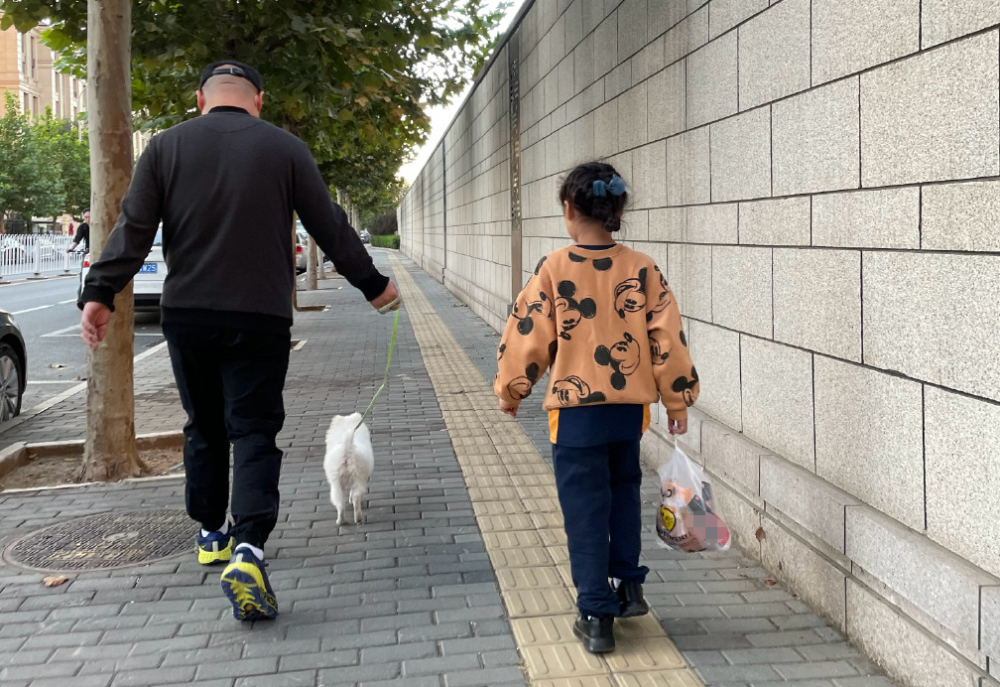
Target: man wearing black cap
225 186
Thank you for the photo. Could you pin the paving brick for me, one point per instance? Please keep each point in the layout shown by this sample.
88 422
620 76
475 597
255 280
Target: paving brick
379 671
304 678
78 681
492 677
142 678
19 672
251 666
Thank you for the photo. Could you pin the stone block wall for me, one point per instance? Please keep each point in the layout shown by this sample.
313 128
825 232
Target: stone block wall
820 182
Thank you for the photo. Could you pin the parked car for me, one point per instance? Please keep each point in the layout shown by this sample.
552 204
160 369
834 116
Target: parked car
13 367
147 287
301 245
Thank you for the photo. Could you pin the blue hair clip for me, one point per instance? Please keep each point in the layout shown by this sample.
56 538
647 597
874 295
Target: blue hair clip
616 186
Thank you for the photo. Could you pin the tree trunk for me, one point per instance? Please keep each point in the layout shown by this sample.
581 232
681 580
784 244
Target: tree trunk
322 265
110 452
311 265
295 269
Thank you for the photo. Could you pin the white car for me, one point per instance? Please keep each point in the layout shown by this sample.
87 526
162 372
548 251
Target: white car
147 286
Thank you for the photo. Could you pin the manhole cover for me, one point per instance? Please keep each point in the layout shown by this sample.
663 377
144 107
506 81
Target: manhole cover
105 542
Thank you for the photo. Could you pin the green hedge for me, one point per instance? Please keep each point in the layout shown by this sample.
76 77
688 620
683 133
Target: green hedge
386 241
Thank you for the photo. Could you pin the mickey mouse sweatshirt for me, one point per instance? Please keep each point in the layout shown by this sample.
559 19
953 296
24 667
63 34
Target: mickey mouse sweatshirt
607 324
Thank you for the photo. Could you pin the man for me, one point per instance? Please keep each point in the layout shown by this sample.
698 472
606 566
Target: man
225 185
82 234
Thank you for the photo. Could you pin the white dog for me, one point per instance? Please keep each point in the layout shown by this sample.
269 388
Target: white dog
349 462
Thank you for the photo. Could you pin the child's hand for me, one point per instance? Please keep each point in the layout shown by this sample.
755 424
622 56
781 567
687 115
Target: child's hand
508 408
677 427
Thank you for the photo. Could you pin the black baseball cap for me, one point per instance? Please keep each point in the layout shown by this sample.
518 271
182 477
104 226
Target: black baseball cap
231 67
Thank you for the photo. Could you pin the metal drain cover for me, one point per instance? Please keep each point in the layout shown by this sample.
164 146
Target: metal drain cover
105 542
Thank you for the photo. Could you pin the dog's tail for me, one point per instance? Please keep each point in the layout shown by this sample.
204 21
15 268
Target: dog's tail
349 445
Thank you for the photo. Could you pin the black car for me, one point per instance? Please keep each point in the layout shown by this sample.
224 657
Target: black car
13 367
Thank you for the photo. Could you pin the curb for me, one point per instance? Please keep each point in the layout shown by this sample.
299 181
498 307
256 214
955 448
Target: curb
21 454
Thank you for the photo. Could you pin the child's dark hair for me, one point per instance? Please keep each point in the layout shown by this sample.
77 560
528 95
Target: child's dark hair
579 189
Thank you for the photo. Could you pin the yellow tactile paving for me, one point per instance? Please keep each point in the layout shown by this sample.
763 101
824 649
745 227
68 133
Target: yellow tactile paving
485 509
552 629
506 523
559 554
550 505
484 471
515 540
634 654
548 521
588 681
528 578
533 480
536 602
552 537
516 505
561 660
492 493
528 557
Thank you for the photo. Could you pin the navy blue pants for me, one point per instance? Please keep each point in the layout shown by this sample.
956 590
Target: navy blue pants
599 494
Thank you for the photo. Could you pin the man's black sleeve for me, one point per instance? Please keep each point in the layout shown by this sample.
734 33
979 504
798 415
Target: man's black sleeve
132 238
82 234
327 223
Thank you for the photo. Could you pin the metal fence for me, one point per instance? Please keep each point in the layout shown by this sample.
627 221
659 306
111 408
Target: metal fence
37 254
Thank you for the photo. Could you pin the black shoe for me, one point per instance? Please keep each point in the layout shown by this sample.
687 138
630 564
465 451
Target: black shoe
597 634
631 599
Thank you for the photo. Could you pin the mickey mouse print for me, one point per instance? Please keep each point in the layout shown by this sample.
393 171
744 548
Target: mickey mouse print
607 324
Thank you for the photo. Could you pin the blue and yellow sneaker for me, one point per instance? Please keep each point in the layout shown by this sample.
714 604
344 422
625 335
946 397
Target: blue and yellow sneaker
215 548
245 583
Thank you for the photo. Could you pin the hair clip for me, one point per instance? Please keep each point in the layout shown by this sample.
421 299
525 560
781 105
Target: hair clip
616 186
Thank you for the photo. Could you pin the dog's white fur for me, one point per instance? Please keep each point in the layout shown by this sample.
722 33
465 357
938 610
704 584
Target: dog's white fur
349 462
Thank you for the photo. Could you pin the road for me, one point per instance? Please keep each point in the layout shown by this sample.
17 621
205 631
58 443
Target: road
50 322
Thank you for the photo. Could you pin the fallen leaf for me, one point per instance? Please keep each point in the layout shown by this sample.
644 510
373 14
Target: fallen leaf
770 583
55 581
57 366
760 534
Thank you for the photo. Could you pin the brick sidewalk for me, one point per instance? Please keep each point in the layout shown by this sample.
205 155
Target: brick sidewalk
410 595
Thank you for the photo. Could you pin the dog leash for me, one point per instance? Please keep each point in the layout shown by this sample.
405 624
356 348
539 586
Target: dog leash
392 345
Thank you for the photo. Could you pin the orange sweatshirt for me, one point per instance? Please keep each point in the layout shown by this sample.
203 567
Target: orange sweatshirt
607 324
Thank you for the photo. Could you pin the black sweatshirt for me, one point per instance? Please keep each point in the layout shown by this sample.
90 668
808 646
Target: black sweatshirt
225 185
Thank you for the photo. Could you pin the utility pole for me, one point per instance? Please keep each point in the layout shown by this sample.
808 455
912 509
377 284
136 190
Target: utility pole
110 452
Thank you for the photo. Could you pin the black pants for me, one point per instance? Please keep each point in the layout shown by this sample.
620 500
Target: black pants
599 494
230 384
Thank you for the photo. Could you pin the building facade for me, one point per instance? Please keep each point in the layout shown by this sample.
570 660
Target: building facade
27 69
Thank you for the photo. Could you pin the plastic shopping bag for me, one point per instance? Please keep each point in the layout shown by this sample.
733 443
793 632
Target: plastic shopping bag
687 519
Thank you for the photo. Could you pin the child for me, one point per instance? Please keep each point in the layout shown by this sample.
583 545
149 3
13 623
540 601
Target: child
602 316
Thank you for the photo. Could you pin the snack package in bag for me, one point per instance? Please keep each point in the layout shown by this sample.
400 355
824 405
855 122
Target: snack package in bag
687 519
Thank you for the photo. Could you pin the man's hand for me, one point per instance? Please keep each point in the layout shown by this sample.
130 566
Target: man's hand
390 294
677 427
94 323
71 248
508 408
